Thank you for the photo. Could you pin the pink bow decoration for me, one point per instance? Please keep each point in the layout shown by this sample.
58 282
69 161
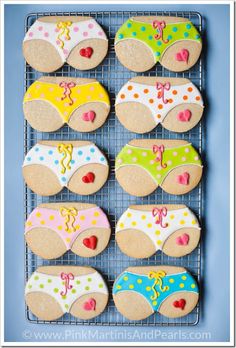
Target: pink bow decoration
158 150
161 88
160 213
159 26
67 90
66 277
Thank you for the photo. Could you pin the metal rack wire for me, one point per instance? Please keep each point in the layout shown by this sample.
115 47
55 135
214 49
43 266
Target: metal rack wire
111 138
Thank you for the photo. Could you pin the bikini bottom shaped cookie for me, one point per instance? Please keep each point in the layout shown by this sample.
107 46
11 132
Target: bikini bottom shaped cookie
144 164
54 228
142 230
174 42
144 102
78 165
51 102
141 291
52 41
52 291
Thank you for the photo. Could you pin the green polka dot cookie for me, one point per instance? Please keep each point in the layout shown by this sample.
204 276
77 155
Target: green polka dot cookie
174 42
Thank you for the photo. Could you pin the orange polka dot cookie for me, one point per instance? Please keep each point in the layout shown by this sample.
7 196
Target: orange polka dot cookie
174 165
54 40
139 292
52 229
143 41
52 291
144 102
51 102
142 230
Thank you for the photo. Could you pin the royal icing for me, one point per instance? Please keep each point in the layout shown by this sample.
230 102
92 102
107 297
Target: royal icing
66 97
161 98
158 36
65 159
68 223
65 35
155 287
66 288
158 224
158 161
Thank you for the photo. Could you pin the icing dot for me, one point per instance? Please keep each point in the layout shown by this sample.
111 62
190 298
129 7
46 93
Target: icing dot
28 158
186 34
131 286
157 232
183 159
185 97
29 286
198 98
56 30
41 286
171 280
59 228
51 217
100 285
149 225
139 281
65 51
119 160
197 36
175 153
148 288
89 279
174 29
122 96
40 28
88 158
182 222
187 149
183 277
150 37
172 216
100 33
76 29
151 101
134 33
145 91
82 217
129 214
160 106
64 297
31 34
158 54
170 101
194 222
90 25
42 222
159 168
152 162
94 222
126 278
136 95
134 223
120 36
92 150
80 153
169 37
129 25
96 213
158 176
38 214
50 152
181 285
36 278
196 158
159 242
77 227
129 151
72 161
87 288
144 154
174 92
188 26
102 159
142 28
143 217
73 291
56 161
169 163
190 89
159 43
121 225
118 287
78 282
46 34
185 213
55 290
36 149
85 33
68 240
134 159
130 88
63 179
154 303
193 286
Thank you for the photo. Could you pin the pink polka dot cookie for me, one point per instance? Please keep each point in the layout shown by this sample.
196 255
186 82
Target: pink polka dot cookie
144 102
54 40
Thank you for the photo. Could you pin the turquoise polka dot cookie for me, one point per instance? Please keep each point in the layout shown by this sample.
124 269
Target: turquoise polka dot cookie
174 42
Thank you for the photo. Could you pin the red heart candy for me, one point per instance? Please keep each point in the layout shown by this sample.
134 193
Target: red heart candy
89 305
179 304
182 240
182 55
86 52
89 116
183 179
90 242
88 178
184 116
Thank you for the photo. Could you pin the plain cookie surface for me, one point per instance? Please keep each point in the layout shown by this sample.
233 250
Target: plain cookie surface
51 102
54 40
142 230
78 165
141 291
141 42
144 102
52 291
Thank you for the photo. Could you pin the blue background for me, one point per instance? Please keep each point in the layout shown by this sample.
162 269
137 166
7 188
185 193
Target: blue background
215 306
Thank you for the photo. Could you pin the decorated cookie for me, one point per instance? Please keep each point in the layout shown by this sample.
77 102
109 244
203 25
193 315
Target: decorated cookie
78 165
52 41
141 42
54 228
174 165
142 230
52 291
144 102
50 102
141 291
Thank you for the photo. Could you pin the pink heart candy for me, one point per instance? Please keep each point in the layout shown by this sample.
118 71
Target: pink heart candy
182 240
89 116
89 305
184 116
183 179
182 55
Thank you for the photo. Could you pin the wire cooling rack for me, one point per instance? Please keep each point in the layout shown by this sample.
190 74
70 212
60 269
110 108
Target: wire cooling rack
111 138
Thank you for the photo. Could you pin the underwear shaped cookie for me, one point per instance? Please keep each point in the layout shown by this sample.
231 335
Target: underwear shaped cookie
52 41
50 102
78 165
54 228
142 230
144 102
52 291
141 291
174 165
174 42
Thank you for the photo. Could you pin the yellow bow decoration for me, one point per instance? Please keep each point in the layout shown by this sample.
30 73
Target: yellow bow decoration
69 214
66 150
158 281
63 30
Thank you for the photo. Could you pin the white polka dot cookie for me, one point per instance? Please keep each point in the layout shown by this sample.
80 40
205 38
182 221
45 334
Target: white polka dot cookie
142 230
78 165
52 291
51 102
54 40
174 165
141 291
144 102
52 229
174 42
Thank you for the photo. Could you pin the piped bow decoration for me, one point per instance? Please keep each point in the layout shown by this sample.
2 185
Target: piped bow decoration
66 277
160 26
159 213
161 90
69 214
158 277
67 90
66 150
158 151
63 28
